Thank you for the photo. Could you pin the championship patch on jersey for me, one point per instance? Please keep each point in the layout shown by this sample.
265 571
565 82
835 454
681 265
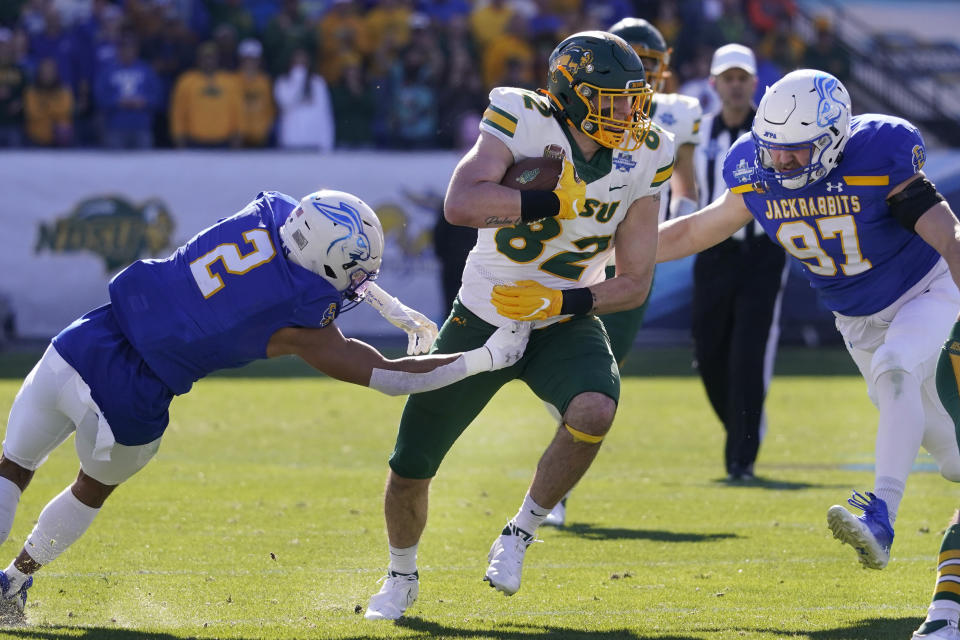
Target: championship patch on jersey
919 157
623 161
668 118
329 315
743 172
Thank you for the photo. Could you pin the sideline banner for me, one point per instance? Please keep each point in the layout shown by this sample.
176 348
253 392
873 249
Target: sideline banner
72 220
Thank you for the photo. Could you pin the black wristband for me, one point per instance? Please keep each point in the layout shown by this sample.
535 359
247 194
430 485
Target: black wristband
537 205
577 301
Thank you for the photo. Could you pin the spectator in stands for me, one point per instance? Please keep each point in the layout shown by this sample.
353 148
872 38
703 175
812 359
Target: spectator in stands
461 92
171 51
783 47
73 63
48 107
414 112
259 112
513 45
765 15
343 37
127 92
441 12
306 116
286 32
389 20
13 82
206 105
353 106
225 37
826 52
233 13
489 20
105 38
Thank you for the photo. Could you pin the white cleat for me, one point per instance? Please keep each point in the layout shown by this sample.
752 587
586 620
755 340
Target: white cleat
937 630
398 592
558 516
12 602
506 559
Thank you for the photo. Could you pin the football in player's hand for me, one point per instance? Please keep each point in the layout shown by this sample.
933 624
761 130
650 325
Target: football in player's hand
533 173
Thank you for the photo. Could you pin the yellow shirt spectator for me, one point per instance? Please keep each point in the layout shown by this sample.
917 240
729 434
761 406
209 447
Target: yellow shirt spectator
342 35
390 21
206 108
502 49
48 114
488 22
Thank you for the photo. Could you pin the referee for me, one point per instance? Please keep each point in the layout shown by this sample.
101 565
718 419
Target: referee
737 284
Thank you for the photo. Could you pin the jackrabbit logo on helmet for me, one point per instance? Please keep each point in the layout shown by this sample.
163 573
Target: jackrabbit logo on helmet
356 244
830 108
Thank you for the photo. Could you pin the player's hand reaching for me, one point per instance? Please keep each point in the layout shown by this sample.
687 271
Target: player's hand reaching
572 192
527 300
421 331
507 344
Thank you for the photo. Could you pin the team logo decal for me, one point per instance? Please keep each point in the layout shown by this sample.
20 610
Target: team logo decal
838 186
355 243
830 107
624 161
919 157
571 61
329 315
111 227
744 172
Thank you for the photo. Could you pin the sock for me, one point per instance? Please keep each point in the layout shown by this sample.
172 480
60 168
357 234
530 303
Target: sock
403 560
16 577
9 498
891 491
899 434
946 593
530 516
60 524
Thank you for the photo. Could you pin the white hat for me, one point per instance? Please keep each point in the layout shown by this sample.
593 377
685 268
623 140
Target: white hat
250 48
733 56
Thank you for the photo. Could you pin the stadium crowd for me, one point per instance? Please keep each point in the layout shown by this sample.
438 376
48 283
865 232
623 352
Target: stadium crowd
324 74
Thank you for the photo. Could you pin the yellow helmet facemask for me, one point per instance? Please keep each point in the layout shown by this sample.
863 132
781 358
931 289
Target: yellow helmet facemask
655 72
601 123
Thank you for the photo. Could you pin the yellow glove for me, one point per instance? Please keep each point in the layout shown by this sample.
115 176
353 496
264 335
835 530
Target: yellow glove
572 192
527 300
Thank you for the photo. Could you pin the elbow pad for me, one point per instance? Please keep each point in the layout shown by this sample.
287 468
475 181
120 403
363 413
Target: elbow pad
912 202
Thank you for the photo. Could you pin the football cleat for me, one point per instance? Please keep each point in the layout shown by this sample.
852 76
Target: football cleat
558 516
13 602
870 534
937 630
398 592
506 559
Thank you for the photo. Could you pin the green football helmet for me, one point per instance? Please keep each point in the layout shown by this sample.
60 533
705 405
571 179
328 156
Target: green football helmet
597 83
649 44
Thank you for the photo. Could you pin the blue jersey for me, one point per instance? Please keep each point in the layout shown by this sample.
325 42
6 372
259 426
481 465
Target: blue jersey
213 304
853 251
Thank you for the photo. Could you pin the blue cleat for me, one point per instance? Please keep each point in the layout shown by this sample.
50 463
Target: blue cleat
13 602
870 534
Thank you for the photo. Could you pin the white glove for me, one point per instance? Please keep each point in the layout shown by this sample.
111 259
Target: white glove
421 330
507 344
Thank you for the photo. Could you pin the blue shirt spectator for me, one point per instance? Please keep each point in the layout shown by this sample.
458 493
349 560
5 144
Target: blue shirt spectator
127 93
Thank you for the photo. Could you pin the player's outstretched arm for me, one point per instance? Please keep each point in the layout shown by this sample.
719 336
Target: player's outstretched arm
937 224
701 230
350 360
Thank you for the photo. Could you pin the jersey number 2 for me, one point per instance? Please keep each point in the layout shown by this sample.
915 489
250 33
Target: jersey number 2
233 261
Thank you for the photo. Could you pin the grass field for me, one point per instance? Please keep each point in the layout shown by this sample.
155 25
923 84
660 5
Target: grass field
261 518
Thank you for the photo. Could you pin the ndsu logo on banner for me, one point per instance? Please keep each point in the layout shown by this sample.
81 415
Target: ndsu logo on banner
112 227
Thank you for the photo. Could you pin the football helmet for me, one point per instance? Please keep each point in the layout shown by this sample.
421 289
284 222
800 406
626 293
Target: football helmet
590 73
649 44
805 110
338 237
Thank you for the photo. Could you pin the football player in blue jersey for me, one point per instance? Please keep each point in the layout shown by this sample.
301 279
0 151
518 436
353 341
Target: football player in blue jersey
267 281
846 197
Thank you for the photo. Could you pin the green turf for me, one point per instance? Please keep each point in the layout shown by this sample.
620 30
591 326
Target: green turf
261 518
